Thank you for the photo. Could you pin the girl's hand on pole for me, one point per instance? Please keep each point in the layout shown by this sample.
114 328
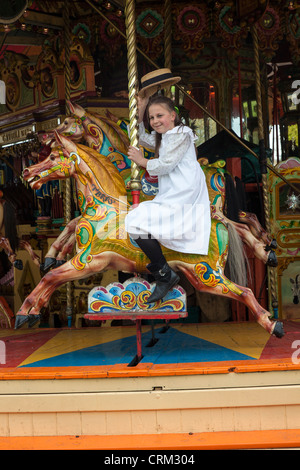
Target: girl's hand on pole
136 155
142 102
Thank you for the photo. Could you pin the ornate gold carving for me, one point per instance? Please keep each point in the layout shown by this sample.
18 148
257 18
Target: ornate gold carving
289 238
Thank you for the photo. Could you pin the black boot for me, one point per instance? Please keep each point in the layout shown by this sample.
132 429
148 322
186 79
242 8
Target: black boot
165 279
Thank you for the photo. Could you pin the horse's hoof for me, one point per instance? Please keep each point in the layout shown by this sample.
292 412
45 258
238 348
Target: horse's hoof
18 264
32 320
278 330
272 260
272 245
20 321
49 263
59 262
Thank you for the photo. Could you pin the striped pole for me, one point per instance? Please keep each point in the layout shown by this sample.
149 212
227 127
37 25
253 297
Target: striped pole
135 184
168 37
67 72
263 161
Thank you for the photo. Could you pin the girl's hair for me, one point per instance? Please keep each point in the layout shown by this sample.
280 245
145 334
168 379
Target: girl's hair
169 104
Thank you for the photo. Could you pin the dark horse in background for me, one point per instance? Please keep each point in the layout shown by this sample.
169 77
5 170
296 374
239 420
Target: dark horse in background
9 240
296 288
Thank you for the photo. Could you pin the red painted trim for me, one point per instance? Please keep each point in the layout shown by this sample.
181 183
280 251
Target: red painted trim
135 197
137 315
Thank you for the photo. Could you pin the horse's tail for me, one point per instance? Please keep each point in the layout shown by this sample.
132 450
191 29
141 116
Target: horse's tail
236 260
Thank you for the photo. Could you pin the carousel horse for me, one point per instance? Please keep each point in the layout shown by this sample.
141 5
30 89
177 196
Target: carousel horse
214 173
105 135
102 242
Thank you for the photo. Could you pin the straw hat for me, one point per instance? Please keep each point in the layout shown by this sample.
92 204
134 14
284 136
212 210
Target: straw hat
156 80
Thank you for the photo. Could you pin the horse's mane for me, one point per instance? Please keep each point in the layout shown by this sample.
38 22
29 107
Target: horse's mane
104 171
114 133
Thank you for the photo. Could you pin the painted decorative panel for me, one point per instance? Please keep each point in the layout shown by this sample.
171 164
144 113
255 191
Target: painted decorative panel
285 220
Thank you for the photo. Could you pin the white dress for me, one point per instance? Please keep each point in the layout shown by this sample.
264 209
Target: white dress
179 215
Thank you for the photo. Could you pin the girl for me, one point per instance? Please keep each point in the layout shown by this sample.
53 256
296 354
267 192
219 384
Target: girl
179 215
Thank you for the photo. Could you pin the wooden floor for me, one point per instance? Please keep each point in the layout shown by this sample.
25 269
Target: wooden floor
194 384
181 348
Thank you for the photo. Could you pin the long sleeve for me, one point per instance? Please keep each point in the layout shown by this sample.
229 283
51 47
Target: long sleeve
146 139
174 148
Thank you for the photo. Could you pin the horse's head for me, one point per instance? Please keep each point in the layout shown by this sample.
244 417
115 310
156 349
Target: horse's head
71 127
295 288
103 131
58 165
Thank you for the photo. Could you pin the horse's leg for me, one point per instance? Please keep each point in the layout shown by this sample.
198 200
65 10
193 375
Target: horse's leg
204 279
66 250
248 238
5 244
257 230
256 246
12 257
58 245
41 294
26 246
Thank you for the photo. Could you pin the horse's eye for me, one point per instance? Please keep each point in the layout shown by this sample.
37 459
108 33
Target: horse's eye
52 157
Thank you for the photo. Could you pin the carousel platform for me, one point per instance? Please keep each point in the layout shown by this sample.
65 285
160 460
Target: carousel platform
197 386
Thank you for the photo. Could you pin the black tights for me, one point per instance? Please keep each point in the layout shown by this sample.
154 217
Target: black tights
152 249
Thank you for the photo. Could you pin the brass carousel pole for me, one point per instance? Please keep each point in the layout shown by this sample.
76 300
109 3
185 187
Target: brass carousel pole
168 37
135 184
263 164
67 205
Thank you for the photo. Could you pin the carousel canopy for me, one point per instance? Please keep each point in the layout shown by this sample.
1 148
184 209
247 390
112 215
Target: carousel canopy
227 19
207 38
